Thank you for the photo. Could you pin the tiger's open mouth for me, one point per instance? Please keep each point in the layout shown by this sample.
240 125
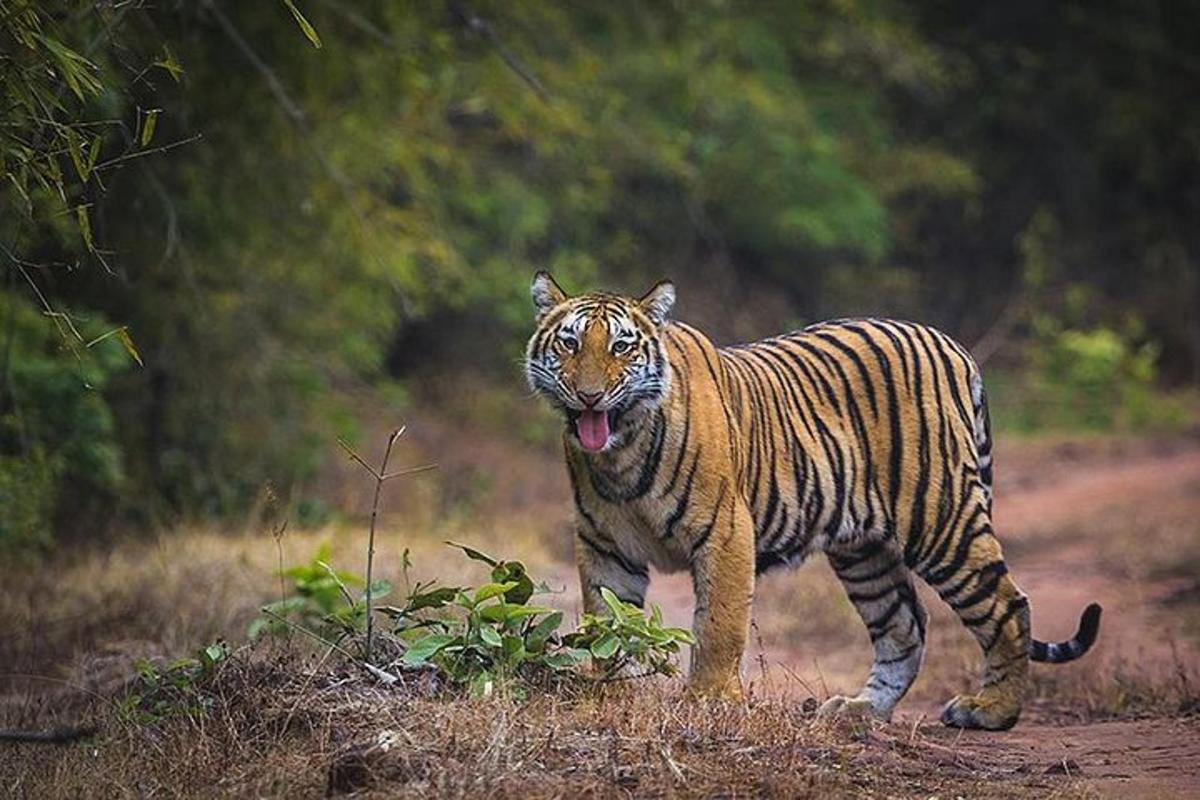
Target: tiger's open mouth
592 426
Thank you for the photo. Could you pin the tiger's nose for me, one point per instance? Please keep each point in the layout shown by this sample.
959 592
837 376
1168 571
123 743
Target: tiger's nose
590 400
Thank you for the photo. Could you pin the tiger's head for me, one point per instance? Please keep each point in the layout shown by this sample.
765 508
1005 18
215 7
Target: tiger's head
599 358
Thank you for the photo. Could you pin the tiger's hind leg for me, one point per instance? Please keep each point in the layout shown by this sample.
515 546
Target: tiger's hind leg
971 576
881 588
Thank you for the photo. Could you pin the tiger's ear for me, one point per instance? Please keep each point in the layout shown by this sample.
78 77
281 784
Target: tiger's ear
657 302
546 293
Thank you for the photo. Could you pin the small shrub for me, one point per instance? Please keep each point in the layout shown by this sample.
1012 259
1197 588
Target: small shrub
322 600
485 638
625 637
179 688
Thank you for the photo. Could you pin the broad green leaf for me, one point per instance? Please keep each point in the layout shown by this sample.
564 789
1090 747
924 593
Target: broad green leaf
490 637
514 572
186 662
282 607
434 598
490 590
565 658
426 648
561 660
606 646
379 590
482 685
259 625
615 606
537 637
214 653
514 650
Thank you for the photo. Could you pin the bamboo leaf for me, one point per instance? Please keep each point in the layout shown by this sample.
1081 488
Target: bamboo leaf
127 342
170 63
304 24
149 123
93 153
85 227
75 148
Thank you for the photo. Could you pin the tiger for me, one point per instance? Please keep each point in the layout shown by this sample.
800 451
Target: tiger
867 440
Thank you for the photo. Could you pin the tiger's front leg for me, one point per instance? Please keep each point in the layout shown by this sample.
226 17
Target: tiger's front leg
601 564
723 580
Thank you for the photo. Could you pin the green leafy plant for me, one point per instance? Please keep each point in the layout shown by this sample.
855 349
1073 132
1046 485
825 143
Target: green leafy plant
484 639
178 688
625 637
495 636
328 601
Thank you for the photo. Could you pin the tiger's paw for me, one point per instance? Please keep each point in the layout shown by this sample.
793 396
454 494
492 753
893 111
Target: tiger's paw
728 692
981 711
850 708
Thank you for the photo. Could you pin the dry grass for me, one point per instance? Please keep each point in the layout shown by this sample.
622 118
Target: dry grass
287 725
286 722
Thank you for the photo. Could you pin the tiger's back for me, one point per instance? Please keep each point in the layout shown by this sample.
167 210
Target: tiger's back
855 430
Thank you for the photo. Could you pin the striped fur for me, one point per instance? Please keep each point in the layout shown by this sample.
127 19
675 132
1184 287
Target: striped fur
866 440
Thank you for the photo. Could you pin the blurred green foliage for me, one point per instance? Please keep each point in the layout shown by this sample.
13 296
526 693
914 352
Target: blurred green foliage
280 225
58 444
1095 379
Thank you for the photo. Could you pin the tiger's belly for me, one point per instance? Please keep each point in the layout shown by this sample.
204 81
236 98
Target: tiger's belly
639 532
836 531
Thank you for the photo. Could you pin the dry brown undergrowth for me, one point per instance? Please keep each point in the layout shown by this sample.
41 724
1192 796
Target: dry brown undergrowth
286 724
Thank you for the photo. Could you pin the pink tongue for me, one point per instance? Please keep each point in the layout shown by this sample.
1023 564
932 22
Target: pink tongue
593 429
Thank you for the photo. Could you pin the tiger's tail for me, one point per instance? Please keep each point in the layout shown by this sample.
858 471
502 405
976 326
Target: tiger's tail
1073 648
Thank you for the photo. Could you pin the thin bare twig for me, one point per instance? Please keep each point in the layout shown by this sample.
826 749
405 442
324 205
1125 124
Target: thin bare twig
290 106
363 24
477 24
112 162
381 476
387 454
996 335
409 471
358 458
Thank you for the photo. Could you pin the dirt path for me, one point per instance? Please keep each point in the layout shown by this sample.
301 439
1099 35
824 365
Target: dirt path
1152 759
1060 534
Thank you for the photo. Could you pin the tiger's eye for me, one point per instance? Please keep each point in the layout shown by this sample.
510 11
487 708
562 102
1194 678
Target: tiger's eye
620 347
